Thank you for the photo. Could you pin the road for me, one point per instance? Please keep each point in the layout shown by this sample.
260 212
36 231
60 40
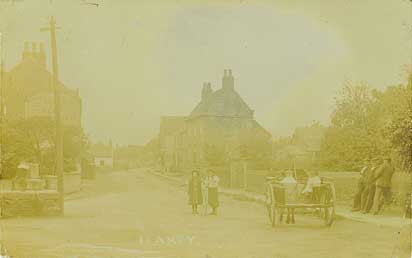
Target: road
138 214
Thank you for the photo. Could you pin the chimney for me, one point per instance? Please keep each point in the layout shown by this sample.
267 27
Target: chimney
228 82
34 47
42 54
206 90
26 50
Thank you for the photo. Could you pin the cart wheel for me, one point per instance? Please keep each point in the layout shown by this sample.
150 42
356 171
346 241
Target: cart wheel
322 211
270 205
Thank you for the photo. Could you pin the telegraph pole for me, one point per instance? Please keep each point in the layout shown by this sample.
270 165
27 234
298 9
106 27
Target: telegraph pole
2 103
57 113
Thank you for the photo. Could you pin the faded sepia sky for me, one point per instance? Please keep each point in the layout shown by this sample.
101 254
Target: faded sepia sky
135 61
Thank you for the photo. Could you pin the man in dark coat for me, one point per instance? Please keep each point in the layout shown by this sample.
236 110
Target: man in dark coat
383 185
195 191
368 193
357 199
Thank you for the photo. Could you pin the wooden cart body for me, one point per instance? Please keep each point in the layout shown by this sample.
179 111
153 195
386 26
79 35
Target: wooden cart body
322 199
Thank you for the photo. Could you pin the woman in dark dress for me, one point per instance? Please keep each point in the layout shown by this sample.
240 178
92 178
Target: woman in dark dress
195 191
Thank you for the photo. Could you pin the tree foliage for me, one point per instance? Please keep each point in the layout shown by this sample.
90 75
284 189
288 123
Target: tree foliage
33 140
367 123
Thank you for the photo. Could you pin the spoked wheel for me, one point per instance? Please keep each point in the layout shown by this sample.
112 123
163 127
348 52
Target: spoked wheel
270 205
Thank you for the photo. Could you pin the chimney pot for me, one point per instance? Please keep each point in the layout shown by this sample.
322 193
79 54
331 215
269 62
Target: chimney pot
228 80
26 50
41 47
34 47
26 46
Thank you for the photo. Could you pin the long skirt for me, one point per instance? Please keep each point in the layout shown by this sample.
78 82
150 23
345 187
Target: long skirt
213 197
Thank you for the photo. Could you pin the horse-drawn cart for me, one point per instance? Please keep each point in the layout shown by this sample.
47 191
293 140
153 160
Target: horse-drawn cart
280 200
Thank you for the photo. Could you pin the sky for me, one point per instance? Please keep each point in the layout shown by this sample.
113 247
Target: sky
135 61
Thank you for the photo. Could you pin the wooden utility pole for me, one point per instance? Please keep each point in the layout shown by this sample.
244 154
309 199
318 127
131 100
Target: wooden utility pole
2 80
57 113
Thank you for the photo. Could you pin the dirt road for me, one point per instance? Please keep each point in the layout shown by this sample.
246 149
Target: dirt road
137 214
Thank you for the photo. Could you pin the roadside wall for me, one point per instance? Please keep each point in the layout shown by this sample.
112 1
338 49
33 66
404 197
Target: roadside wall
72 182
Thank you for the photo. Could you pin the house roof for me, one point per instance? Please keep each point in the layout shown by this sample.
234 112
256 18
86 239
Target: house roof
223 102
130 151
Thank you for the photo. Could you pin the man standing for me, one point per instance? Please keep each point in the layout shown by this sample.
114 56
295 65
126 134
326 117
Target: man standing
368 193
383 185
357 199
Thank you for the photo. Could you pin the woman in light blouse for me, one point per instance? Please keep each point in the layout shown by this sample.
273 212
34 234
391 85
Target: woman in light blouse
213 190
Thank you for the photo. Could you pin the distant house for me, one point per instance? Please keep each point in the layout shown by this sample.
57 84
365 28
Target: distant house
129 156
309 138
103 155
221 120
303 148
170 135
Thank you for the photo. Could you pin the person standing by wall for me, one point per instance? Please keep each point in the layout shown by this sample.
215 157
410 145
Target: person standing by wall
195 191
357 199
368 193
383 185
213 191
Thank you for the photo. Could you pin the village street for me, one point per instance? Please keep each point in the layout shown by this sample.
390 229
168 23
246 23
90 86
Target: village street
138 214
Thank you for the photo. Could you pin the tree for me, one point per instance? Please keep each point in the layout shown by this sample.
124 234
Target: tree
400 128
350 138
33 140
74 142
368 123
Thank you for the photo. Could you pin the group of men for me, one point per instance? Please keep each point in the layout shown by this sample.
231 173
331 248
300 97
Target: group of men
374 185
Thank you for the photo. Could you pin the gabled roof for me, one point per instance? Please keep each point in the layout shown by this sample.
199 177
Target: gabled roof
259 127
223 102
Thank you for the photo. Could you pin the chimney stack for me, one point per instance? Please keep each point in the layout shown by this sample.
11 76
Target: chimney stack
206 91
37 54
228 82
42 54
34 47
26 50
